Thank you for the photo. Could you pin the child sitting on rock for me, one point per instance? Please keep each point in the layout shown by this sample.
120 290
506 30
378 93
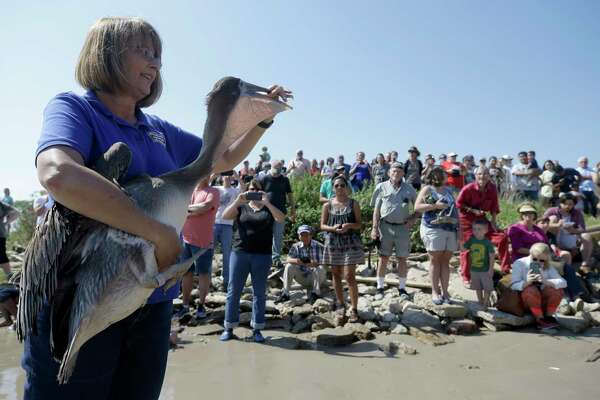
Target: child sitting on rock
481 260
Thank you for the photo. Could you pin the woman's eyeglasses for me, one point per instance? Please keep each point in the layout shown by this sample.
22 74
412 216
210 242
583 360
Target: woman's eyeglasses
148 54
538 259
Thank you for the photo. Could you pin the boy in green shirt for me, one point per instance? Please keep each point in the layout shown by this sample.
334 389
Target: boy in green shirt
481 261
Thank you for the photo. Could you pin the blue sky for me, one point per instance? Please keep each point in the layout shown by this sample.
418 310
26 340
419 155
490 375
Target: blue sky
480 77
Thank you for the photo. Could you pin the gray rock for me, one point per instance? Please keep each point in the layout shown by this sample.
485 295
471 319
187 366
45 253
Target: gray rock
462 327
591 307
392 304
455 310
388 317
216 299
399 329
322 306
291 343
245 305
271 307
496 327
210 329
303 325
246 297
195 293
245 318
305 309
373 327
392 348
429 336
501 318
575 324
278 323
420 318
360 331
322 321
595 318
334 337
365 289
406 349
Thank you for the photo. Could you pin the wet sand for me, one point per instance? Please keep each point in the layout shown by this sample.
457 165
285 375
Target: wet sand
490 365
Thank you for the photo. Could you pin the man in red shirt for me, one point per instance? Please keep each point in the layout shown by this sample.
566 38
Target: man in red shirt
197 236
456 172
474 200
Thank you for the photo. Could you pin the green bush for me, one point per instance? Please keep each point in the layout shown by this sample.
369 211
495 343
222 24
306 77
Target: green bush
25 225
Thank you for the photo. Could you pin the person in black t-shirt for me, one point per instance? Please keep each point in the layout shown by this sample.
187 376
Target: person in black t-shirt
565 178
252 238
278 188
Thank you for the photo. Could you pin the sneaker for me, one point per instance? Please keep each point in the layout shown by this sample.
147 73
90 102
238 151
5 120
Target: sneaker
403 293
257 336
438 301
447 300
226 335
200 312
183 311
284 296
380 294
542 324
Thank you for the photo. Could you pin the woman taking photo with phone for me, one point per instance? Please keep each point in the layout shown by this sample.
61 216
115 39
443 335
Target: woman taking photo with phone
253 217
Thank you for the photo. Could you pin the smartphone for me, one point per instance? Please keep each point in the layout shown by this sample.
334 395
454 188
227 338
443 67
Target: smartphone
227 173
534 267
253 196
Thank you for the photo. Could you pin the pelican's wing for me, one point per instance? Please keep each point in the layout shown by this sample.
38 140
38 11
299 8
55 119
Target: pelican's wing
55 248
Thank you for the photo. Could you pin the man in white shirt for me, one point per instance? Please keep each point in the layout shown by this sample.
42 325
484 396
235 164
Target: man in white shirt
506 163
586 187
41 205
525 178
299 166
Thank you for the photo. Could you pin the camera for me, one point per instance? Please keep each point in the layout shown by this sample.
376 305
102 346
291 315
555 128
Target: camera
253 196
248 178
305 259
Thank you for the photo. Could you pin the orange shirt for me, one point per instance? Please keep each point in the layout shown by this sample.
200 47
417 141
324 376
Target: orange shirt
458 181
198 229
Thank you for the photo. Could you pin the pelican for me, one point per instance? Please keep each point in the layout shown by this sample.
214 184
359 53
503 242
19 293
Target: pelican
93 275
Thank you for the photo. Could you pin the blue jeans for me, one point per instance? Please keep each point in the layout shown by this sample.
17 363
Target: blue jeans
223 233
278 230
125 361
242 264
574 287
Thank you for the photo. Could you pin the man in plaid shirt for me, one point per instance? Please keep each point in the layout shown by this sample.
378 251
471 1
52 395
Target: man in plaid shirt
303 266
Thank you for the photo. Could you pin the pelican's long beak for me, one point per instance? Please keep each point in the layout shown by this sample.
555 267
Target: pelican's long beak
253 106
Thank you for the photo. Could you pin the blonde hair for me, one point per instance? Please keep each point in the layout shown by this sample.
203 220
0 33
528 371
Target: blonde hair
100 66
538 249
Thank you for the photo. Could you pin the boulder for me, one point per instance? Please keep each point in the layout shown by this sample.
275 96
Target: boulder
399 329
462 327
365 289
595 318
392 348
388 317
278 323
271 307
303 325
373 327
216 299
291 343
456 310
392 304
305 309
245 318
496 317
420 318
334 337
360 331
322 306
322 321
245 305
428 336
575 324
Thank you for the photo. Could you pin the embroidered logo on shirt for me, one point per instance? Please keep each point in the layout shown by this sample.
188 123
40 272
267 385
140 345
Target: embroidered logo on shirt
158 137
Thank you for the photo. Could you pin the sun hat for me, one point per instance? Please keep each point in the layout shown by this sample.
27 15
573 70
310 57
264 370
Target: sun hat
526 207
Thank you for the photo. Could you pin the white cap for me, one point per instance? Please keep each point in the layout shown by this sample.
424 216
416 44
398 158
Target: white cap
452 154
506 157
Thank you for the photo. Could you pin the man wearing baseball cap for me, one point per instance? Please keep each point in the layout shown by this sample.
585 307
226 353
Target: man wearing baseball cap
303 266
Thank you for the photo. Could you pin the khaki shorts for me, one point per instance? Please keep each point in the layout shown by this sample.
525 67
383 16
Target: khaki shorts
438 239
481 281
394 237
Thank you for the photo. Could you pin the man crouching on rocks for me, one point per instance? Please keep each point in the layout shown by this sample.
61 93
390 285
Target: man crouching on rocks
303 265
391 225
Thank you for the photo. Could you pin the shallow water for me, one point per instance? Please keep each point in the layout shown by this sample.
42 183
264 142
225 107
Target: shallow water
521 365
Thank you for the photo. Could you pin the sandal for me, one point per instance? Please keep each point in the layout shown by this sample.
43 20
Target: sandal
353 316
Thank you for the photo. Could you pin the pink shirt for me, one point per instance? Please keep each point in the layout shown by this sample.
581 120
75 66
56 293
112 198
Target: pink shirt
520 237
198 229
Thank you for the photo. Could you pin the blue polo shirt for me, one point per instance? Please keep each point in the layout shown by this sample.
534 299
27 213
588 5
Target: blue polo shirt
84 124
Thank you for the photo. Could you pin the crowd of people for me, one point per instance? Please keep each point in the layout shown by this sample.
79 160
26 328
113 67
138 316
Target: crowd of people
457 203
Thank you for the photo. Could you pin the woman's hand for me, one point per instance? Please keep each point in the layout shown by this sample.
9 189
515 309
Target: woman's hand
241 198
167 246
440 205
